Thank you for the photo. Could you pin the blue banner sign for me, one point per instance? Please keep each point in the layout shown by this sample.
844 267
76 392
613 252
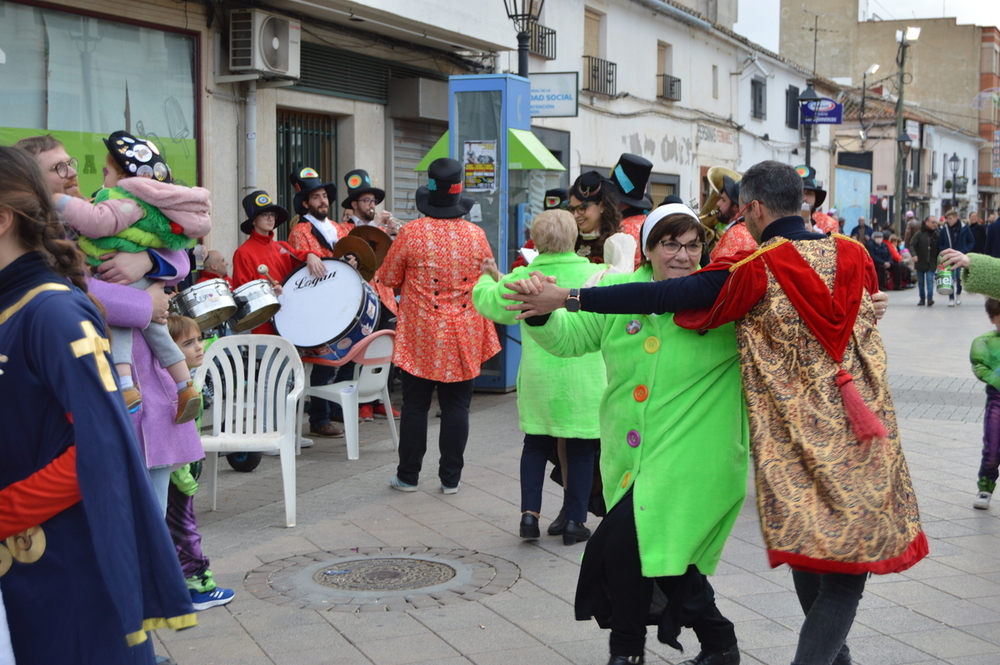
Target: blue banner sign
822 112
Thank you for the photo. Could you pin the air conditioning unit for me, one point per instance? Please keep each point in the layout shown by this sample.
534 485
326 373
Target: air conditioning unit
264 43
909 178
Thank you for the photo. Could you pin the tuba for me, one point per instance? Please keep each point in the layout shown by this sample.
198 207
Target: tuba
709 214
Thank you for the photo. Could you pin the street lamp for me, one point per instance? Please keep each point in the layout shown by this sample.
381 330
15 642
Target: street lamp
523 13
864 91
903 144
953 163
905 39
808 95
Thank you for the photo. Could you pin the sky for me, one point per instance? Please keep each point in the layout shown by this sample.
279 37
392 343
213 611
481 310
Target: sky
758 17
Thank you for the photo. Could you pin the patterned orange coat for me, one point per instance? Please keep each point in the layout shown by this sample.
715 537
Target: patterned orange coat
736 239
633 226
435 263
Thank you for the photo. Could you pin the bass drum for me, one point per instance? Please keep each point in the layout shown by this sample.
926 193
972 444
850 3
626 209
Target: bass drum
326 317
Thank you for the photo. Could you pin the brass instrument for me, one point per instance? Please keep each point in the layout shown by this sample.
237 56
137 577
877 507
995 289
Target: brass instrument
709 214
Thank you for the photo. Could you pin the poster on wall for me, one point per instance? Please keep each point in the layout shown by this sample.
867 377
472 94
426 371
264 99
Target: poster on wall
480 166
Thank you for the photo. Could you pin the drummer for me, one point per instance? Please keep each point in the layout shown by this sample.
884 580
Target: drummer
261 249
312 228
361 200
216 267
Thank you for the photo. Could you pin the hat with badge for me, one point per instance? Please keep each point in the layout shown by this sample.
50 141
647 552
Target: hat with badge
256 203
441 197
556 199
358 183
630 176
139 158
811 184
305 181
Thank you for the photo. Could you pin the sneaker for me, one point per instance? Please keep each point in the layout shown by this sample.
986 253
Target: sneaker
397 484
982 501
188 403
365 413
328 430
958 300
951 302
214 598
133 400
450 490
306 443
379 412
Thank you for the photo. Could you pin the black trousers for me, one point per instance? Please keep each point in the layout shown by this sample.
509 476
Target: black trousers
631 593
454 399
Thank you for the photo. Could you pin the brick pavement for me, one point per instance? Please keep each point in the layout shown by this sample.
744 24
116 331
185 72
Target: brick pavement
944 610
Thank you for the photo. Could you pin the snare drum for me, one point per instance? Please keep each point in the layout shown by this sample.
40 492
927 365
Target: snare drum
209 303
257 305
326 317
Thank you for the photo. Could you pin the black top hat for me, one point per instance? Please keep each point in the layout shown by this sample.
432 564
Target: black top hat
358 183
441 197
672 198
810 183
138 157
556 198
306 181
259 202
731 188
630 176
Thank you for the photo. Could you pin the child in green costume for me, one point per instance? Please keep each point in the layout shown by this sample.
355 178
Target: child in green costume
137 210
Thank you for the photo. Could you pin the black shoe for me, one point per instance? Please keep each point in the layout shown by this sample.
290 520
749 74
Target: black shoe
529 527
730 656
575 533
558 524
920 304
626 660
930 302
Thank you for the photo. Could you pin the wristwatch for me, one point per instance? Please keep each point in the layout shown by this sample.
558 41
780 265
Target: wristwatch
573 301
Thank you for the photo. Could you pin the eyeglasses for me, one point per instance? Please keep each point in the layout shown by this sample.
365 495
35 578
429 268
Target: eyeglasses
268 215
694 248
368 200
580 208
63 168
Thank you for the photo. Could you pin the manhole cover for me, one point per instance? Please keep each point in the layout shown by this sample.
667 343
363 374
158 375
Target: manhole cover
380 579
387 574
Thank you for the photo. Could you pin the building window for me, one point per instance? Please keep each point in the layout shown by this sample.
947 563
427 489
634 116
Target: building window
758 97
592 33
792 107
82 78
715 81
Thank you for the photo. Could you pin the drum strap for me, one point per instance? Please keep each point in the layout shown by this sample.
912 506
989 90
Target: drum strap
319 236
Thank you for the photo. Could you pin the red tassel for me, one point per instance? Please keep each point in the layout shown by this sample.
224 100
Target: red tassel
865 424
176 229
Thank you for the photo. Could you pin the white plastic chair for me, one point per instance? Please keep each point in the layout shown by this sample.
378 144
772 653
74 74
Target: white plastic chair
253 409
372 356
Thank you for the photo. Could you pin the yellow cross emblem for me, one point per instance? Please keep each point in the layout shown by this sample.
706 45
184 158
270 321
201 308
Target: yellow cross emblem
93 344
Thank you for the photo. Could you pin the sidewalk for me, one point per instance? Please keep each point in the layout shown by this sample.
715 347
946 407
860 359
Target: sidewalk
510 602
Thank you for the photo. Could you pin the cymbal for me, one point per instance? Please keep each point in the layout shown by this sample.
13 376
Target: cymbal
377 238
367 265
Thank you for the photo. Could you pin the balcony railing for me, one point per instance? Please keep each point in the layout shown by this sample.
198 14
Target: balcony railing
543 41
670 87
599 75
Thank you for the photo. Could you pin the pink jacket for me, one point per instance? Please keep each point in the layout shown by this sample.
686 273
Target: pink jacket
188 207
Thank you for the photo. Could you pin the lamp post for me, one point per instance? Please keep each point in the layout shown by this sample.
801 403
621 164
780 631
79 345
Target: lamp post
523 13
864 91
953 163
903 143
905 38
808 95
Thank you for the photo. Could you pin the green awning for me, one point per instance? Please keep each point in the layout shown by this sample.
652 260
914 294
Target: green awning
526 152
439 150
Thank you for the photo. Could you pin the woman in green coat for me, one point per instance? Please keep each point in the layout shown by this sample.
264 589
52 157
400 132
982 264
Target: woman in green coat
556 397
674 456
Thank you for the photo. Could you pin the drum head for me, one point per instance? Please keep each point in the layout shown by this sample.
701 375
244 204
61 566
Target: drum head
315 312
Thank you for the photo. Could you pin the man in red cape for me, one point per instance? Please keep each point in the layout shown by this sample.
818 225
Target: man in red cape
834 494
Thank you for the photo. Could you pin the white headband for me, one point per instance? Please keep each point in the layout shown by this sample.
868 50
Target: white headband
654 217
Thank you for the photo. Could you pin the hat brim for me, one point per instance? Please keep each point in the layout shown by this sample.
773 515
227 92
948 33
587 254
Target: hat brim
299 202
379 196
820 195
281 216
367 265
645 202
422 200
